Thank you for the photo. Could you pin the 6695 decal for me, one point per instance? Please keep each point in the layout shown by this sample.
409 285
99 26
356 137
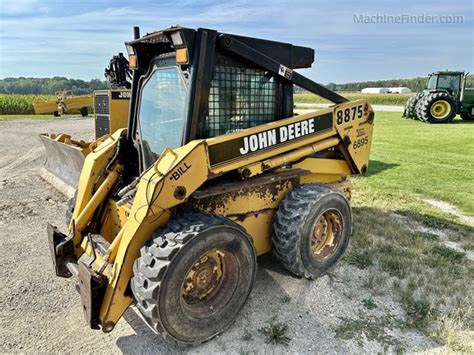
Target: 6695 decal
360 142
349 114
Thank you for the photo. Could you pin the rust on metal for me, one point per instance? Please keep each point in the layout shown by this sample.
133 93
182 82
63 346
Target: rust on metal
210 283
327 233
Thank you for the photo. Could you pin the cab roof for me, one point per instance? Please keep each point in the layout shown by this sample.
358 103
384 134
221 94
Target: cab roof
292 56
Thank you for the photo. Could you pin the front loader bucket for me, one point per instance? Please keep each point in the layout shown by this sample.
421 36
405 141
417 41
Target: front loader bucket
64 161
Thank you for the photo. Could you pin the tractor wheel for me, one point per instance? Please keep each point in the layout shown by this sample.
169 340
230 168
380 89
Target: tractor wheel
410 105
418 109
438 107
467 117
194 276
84 111
312 229
56 114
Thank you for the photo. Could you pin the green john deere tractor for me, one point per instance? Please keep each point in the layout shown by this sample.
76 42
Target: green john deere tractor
444 98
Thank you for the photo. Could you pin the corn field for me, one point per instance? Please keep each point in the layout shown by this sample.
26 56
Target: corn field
20 104
374 99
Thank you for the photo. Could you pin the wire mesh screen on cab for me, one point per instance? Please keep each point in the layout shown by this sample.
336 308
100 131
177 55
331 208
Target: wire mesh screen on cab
241 98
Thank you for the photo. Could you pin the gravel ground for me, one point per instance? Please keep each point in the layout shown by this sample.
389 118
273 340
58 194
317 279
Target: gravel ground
42 313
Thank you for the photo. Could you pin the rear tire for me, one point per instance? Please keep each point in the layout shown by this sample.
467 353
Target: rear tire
410 106
438 107
194 276
84 111
56 114
312 229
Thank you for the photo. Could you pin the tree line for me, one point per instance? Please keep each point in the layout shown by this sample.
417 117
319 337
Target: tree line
49 86
415 84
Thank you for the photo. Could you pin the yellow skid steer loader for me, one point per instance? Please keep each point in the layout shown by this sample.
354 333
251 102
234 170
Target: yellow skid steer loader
64 155
212 170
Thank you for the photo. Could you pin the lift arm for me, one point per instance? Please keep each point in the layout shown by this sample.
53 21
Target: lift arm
243 50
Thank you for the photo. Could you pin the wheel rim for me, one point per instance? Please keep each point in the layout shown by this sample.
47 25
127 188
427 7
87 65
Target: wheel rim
440 109
210 283
326 233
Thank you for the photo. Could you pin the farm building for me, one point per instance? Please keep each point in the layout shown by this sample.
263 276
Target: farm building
375 91
400 90
395 90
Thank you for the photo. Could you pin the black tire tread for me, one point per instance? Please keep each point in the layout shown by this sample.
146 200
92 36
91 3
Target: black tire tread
423 107
150 268
467 117
293 210
410 105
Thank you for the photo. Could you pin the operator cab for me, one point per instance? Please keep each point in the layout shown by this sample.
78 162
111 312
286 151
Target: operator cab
187 86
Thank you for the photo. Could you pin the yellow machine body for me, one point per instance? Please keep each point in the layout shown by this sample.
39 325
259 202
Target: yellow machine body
179 177
211 129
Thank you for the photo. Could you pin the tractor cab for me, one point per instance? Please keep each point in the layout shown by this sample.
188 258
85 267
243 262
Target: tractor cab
446 81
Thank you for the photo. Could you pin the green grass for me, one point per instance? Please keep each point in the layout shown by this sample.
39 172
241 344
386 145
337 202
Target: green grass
276 332
375 99
429 161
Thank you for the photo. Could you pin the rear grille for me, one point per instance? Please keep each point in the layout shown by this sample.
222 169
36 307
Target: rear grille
102 114
102 104
101 125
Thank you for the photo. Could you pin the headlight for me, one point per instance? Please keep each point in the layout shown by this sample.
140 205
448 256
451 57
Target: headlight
177 39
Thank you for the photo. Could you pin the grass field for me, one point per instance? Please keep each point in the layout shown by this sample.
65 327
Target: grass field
375 99
435 161
402 241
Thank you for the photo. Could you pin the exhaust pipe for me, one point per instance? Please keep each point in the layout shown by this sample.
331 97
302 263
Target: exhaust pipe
136 32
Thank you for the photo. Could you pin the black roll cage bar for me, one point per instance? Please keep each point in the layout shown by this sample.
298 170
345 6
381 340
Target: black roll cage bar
201 45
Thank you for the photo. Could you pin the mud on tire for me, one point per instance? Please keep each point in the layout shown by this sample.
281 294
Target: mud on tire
298 231
182 253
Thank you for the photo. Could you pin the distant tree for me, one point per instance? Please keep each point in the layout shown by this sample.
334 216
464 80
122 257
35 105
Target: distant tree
48 86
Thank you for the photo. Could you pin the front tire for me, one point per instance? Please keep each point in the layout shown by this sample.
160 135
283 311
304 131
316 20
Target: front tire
312 229
467 117
194 276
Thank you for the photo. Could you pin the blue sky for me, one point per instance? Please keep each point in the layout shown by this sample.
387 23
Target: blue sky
43 38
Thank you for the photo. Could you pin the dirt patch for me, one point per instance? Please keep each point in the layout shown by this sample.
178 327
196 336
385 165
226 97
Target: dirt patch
41 313
443 234
448 208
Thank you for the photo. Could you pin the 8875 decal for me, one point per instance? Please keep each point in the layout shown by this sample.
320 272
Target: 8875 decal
349 114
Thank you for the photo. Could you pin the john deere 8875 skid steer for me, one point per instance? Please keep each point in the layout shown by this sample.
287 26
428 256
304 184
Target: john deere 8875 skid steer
212 170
